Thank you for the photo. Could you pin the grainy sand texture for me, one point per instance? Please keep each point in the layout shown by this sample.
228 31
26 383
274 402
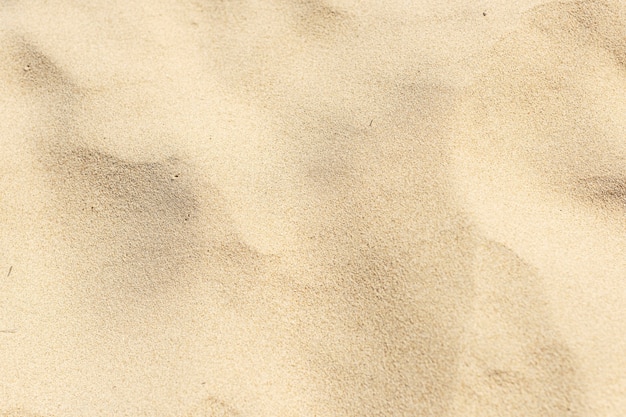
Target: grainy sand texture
312 208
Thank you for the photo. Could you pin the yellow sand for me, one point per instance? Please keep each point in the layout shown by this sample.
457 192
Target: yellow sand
309 208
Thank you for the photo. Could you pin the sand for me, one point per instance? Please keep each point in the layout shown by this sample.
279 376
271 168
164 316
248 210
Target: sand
304 208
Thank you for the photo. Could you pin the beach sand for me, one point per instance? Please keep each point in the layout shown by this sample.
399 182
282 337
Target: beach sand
294 208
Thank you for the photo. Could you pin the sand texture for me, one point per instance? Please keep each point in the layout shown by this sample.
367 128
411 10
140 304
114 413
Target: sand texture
312 208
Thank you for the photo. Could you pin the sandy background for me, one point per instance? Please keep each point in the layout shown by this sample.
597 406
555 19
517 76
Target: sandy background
312 208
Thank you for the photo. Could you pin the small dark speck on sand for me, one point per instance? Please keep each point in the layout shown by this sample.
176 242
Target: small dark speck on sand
484 14
371 121
10 269
8 331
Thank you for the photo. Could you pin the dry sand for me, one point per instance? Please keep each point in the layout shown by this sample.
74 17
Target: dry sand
294 208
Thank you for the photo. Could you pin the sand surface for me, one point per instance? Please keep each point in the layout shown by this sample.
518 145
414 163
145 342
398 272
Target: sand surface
309 208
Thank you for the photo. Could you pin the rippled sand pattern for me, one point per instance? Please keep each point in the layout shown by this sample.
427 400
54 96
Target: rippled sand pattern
329 208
